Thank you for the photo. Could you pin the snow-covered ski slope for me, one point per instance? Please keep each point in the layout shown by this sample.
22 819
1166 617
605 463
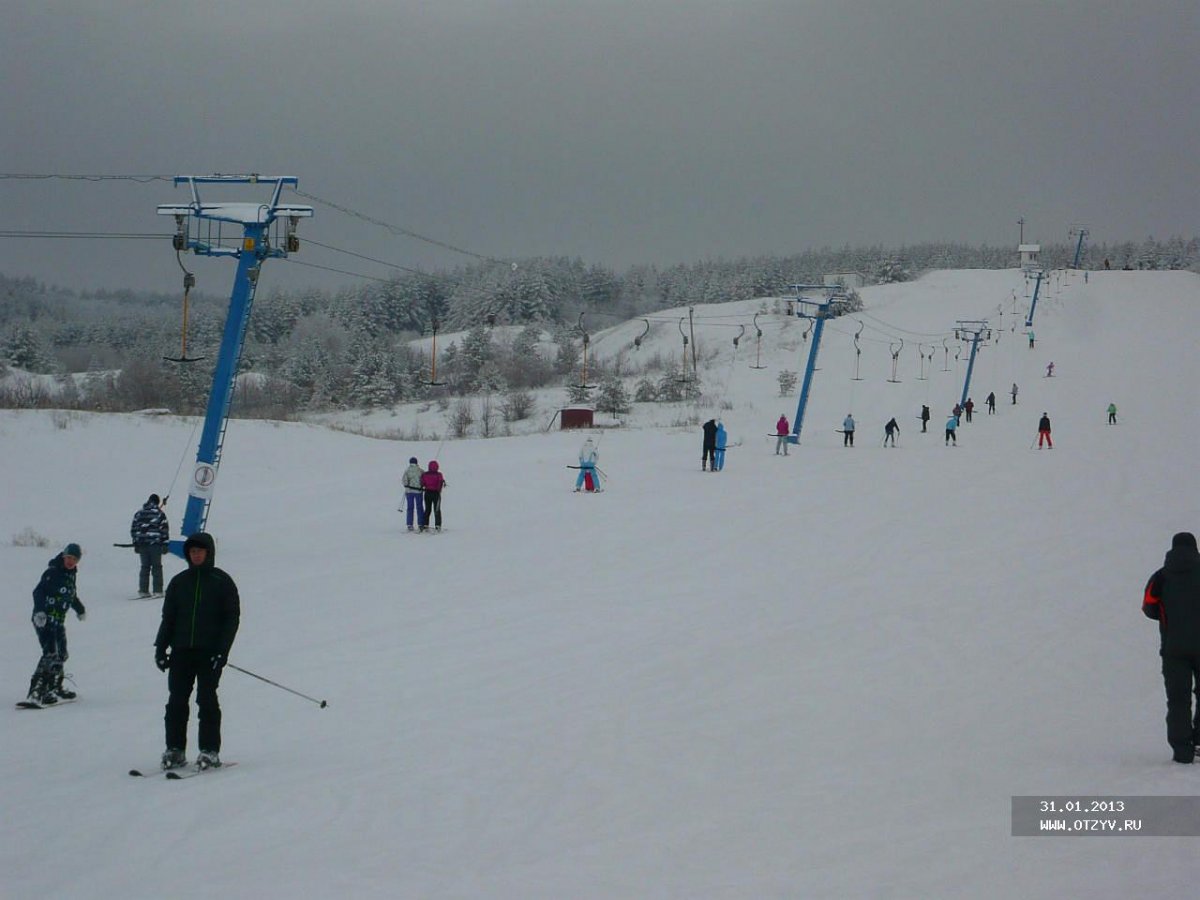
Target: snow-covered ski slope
816 676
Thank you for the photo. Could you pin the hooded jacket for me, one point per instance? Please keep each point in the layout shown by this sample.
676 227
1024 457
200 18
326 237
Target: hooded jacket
433 480
1172 596
710 433
55 592
589 453
781 427
201 609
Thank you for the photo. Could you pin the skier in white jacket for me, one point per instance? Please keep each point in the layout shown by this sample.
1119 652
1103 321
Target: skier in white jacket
413 494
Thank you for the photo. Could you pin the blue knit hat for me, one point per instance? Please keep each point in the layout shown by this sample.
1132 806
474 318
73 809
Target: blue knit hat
73 549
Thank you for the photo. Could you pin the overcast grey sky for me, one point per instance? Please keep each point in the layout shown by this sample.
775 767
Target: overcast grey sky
626 131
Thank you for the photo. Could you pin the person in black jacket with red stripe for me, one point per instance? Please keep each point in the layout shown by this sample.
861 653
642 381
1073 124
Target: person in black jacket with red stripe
1172 596
200 617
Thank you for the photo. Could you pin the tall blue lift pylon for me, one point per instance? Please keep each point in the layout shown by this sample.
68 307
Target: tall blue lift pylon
818 311
1037 286
1080 232
976 331
250 248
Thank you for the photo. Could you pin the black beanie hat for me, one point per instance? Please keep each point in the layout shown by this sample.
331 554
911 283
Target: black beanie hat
1184 539
153 499
412 459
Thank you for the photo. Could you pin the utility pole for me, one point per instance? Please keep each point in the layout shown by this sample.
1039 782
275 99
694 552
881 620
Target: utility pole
692 329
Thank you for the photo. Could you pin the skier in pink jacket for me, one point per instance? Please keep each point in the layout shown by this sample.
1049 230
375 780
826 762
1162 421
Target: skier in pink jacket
432 483
781 435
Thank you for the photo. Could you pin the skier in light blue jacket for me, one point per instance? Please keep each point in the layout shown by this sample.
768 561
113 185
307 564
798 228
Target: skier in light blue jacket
848 431
952 430
719 455
589 455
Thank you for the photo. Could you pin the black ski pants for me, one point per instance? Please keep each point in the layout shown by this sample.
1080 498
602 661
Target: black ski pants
151 557
433 509
1181 677
188 668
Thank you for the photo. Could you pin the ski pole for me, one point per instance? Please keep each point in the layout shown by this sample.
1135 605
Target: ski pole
321 703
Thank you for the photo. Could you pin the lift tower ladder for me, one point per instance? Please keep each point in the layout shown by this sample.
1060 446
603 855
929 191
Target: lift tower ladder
259 234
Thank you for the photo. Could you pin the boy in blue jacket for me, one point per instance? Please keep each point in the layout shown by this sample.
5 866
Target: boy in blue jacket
54 595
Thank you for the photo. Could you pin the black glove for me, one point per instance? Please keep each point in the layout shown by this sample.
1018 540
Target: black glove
218 662
162 659
164 547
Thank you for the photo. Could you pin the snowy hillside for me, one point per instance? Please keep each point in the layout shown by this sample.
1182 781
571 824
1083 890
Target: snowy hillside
823 675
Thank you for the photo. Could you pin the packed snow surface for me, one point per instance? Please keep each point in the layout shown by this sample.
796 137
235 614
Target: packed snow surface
820 675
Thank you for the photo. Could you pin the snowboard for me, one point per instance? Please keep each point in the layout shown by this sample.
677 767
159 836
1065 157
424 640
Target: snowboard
30 704
190 771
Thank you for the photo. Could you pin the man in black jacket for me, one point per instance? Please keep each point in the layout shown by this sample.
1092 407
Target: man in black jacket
200 617
1172 596
708 452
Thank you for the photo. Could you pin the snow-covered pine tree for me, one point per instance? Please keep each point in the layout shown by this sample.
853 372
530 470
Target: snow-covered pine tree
613 397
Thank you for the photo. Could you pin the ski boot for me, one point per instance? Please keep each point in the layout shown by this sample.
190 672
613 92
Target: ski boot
60 692
42 691
173 759
208 759
35 688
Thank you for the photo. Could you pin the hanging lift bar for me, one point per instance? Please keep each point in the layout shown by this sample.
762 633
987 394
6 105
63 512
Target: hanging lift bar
586 340
757 344
433 382
251 251
189 282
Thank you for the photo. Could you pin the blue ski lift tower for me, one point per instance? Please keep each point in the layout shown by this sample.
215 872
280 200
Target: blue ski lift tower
250 232
975 332
818 311
1079 233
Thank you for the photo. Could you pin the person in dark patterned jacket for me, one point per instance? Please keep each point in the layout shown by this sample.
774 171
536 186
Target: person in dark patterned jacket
150 533
53 596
